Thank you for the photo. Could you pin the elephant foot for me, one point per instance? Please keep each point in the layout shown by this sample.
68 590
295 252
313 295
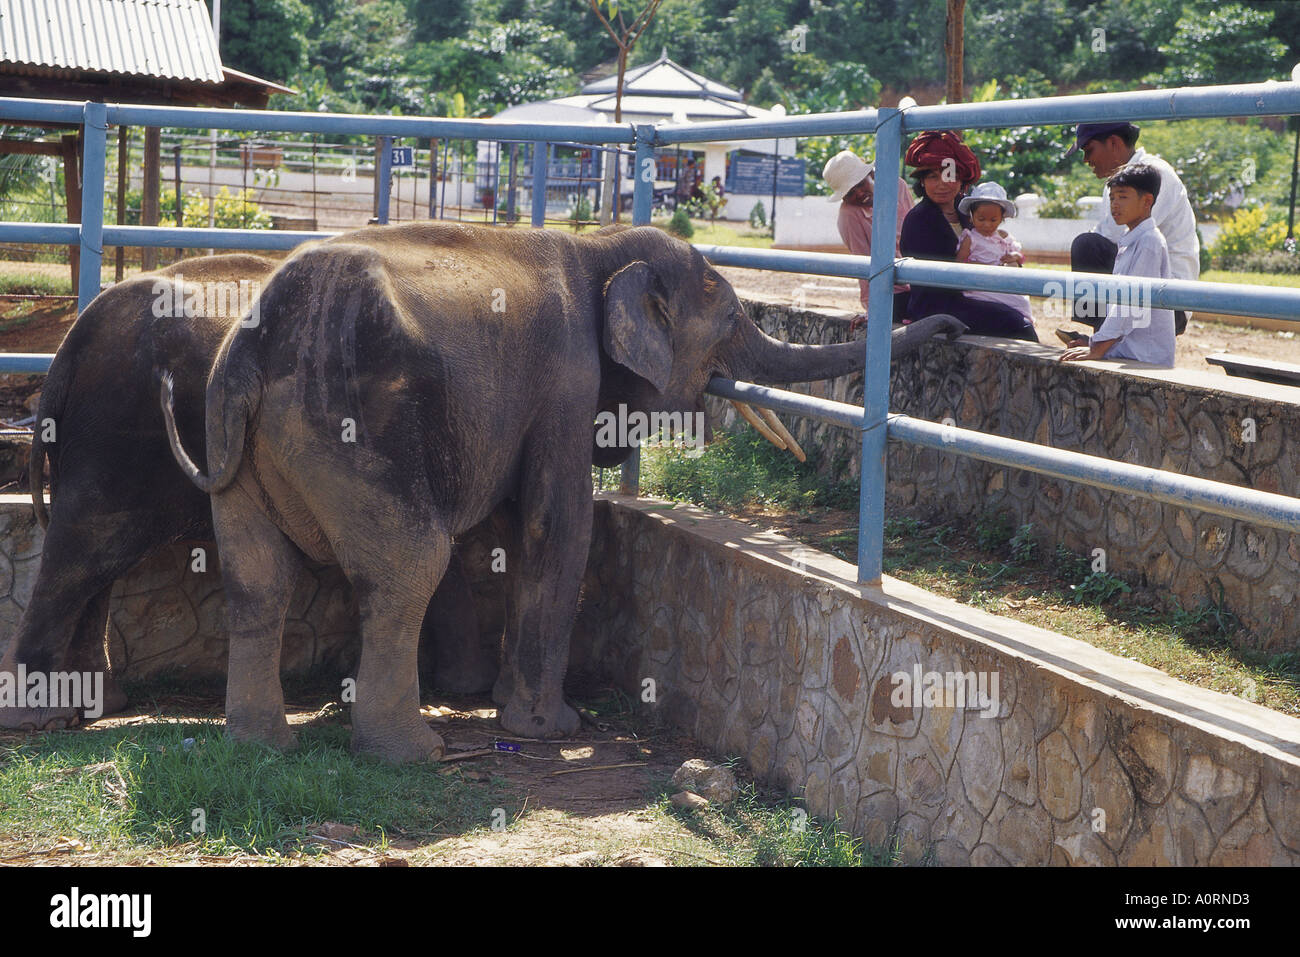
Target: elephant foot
39 719
273 733
115 699
540 718
503 690
415 744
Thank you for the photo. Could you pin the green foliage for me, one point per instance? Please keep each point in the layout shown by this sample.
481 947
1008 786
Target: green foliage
128 787
1023 544
1098 588
1061 197
993 530
758 216
1249 231
238 211
1069 565
709 204
738 469
1228 43
1215 157
1022 158
1275 261
266 38
581 212
680 224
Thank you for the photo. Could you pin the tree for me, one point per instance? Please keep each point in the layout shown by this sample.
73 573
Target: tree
625 36
265 37
1226 44
953 48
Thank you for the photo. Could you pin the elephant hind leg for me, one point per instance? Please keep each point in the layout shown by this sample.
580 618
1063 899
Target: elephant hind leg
393 592
258 586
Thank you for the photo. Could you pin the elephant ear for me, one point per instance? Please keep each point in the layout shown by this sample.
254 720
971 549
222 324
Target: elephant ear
636 324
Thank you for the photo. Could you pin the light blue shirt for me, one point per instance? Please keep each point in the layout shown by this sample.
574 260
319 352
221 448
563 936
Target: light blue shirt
1146 333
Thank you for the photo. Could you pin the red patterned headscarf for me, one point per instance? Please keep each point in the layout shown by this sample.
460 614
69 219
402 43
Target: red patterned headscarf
933 147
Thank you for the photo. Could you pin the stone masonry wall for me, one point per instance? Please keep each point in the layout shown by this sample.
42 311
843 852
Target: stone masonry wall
1082 757
1188 422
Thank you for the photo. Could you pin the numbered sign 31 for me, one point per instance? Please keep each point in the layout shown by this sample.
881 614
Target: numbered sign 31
403 157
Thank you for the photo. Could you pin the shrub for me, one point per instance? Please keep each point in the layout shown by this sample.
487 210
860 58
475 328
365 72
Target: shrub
758 216
1249 231
680 224
1061 199
581 211
1274 261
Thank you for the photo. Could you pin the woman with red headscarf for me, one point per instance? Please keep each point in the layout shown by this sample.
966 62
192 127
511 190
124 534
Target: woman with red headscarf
944 169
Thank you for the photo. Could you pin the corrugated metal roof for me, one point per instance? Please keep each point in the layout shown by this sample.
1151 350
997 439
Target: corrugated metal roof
170 39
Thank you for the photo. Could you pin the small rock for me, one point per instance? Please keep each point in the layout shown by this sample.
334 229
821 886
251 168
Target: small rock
689 801
336 832
580 859
639 859
709 780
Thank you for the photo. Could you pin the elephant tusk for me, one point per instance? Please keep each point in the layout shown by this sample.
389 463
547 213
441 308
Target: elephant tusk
779 428
760 427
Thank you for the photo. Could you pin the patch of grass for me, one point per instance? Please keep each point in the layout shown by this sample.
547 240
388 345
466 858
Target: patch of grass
1024 547
741 469
188 785
35 282
765 830
993 530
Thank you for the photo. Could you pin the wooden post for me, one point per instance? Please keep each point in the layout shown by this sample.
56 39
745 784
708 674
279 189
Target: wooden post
72 196
152 184
120 253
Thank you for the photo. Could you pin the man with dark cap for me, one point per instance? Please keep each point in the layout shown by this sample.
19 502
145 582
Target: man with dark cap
1106 148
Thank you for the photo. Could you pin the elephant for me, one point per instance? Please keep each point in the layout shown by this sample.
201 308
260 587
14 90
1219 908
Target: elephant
402 382
117 495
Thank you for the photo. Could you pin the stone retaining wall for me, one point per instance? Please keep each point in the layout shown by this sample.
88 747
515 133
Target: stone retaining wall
768 651
774 654
1201 424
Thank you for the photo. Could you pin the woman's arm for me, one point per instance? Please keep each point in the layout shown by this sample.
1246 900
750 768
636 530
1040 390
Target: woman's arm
963 248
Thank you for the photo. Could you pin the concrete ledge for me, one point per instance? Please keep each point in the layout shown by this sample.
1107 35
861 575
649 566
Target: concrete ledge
767 650
1204 424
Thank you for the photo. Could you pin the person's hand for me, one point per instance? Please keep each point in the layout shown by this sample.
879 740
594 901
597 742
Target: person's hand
1076 354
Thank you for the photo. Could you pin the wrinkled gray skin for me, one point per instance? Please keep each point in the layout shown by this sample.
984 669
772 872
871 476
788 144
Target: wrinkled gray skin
117 495
457 407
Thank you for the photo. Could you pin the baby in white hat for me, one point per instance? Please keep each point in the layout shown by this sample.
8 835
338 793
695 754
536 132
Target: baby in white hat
987 244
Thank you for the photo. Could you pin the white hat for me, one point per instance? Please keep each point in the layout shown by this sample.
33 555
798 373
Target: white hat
843 171
988 193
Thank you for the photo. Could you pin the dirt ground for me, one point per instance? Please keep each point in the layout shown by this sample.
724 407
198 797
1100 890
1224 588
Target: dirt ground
577 802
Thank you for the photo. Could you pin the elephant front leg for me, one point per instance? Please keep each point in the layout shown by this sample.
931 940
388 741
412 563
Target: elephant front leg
555 535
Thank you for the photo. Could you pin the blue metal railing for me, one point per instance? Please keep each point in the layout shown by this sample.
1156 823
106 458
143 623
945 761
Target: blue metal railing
889 127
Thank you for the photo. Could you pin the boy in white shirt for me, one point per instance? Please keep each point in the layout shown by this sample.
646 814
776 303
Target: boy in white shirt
1138 330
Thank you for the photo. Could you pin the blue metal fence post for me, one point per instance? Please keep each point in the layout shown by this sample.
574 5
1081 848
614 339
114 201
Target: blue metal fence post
95 124
880 314
541 151
385 174
643 186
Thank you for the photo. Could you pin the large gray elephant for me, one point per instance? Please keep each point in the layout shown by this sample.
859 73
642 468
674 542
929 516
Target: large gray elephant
116 493
403 381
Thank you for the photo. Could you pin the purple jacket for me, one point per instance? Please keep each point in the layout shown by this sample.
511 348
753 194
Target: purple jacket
927 234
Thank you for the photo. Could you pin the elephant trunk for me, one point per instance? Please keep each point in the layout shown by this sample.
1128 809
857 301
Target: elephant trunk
765 360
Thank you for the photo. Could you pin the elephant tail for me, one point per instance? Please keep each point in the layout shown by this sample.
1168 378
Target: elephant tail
228 413
53 399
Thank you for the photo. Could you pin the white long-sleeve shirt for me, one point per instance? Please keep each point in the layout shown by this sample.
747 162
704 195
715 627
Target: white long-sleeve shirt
1172 214
1145 332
